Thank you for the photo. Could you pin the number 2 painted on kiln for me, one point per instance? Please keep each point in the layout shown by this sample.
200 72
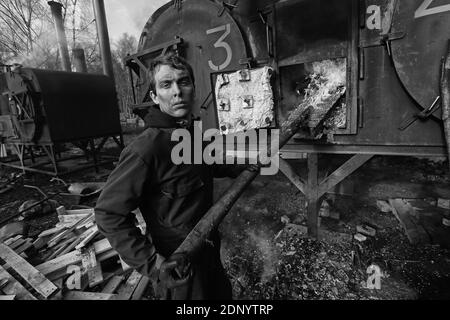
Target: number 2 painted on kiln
221 43
424 9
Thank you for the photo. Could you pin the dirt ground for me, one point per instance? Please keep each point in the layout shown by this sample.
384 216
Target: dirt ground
265 249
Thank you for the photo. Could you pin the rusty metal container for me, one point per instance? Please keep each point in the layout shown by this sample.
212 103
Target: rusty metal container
54 106
392 50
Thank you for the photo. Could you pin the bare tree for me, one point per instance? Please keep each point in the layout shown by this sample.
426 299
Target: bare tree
127 44
22 23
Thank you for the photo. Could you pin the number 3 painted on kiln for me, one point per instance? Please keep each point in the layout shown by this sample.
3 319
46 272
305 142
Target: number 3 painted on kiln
221 44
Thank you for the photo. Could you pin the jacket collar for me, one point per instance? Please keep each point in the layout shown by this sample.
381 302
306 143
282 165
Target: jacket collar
155 118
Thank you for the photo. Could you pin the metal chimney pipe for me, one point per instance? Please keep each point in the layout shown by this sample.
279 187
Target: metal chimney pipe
79 60
103 37
56 8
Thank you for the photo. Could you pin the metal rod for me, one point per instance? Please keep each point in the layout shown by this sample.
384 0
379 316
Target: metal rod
56 9
30 207
445 95
79 60
103 37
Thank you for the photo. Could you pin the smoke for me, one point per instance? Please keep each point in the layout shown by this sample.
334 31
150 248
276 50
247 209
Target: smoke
268 254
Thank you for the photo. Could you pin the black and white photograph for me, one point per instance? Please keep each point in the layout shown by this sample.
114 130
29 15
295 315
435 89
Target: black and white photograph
236 153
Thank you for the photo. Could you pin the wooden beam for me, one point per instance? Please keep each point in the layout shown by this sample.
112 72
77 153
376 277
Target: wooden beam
343 172
290 173
127 290
312 196
14 287
32 276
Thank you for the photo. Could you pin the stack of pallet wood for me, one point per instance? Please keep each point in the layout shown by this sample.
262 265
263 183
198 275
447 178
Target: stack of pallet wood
65 263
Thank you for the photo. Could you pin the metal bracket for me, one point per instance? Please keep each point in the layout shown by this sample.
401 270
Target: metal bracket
382 40
244 75
425 114
229 6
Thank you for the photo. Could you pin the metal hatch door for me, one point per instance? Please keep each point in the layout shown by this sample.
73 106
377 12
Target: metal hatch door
417 56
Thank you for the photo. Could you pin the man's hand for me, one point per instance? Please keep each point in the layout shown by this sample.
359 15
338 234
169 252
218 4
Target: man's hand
175 271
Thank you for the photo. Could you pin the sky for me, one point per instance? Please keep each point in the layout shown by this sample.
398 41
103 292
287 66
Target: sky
129 16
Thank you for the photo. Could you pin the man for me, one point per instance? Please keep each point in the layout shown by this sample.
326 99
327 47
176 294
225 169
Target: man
172 198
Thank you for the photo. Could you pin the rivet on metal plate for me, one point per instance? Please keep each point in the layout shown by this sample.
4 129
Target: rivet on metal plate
244 75
224 105
247 102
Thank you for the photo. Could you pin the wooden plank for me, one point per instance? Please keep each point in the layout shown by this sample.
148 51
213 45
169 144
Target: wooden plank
88 223
290 173
80 211
404 212
10 297
140 290
32 276
343 172
91 267
17 244
94 232
82 295
71 218
61 235
50 232
61 247
312 196
39 243
14 287
113 284
11 240
75 243
73 257
127 290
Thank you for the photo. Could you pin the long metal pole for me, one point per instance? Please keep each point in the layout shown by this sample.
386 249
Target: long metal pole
445 94
56 9
103 37
79 60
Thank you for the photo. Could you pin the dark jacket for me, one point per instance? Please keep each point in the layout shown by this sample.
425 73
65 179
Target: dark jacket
172 198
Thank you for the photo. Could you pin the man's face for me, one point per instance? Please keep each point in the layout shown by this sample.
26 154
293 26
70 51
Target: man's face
174 91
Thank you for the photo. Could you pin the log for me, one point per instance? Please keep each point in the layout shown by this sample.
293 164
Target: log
198 236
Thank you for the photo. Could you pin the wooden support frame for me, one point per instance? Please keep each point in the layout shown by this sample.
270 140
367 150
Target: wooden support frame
315 190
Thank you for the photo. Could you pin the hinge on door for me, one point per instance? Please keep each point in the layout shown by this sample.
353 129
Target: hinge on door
360 112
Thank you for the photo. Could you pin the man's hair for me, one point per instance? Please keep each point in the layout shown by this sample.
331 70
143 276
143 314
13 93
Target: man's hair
172 60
